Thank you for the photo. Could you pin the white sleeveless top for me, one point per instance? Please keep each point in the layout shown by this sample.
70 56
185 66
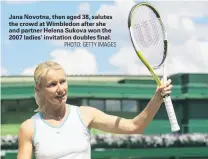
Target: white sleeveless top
71 140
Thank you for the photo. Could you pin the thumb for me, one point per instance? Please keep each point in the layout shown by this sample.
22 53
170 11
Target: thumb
163 80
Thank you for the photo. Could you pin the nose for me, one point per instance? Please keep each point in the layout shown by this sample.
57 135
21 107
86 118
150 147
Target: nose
60 89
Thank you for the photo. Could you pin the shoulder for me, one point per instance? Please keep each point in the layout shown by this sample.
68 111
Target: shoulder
27 129
89 111
87 114
82 109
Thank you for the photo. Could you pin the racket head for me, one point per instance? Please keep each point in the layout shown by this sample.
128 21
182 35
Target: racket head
148 35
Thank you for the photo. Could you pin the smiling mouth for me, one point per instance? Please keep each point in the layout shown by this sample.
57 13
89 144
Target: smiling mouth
60 96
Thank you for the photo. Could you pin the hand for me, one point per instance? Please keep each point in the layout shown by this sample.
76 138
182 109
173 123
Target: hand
164 90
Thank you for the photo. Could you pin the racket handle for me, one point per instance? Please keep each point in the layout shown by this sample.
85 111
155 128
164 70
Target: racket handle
171 114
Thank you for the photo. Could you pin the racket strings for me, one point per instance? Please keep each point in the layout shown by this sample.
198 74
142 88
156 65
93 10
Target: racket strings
149 35
150 39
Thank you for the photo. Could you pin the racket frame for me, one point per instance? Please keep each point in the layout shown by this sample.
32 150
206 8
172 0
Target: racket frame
167 99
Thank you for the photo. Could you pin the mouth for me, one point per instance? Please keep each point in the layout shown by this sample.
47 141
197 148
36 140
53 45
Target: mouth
60 96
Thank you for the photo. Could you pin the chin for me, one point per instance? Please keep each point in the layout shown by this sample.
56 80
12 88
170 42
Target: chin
62 101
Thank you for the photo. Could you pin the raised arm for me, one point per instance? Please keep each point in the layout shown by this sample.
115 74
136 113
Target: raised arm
25 140
118 125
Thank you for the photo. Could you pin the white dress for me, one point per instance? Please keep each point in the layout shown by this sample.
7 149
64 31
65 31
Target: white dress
71 140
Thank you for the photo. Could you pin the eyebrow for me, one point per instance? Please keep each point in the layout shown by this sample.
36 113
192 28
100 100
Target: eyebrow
55 80
63 79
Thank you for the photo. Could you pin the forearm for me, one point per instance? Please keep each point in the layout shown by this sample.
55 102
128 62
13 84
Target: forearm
146 116
114 124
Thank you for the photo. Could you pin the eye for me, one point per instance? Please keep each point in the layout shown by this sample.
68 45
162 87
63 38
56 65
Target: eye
52 84
62 81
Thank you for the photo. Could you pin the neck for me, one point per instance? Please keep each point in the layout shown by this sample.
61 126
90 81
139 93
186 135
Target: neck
58 113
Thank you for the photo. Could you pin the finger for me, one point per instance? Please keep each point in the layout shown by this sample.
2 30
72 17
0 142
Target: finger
165 93
162 80
168 82
160 88
168 88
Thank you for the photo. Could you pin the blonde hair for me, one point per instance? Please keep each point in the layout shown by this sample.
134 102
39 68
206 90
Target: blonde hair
40 71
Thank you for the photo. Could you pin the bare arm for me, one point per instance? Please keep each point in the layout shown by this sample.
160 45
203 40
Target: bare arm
25 140
118 125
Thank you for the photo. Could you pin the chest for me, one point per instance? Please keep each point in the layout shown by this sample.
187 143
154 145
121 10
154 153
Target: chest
57 143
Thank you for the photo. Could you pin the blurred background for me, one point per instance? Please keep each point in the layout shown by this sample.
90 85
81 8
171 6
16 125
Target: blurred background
112 79
125 96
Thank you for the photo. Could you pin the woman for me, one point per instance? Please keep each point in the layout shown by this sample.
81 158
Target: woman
61 131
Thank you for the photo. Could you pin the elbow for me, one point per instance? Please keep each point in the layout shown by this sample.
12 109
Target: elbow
137 129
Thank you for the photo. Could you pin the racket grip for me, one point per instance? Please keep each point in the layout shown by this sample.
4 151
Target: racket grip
171 114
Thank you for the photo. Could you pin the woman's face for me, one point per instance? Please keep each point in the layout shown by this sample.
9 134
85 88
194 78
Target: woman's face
54 87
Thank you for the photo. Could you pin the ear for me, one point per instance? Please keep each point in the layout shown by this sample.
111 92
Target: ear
37 89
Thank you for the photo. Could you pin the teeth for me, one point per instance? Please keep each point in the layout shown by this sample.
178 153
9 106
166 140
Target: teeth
60 96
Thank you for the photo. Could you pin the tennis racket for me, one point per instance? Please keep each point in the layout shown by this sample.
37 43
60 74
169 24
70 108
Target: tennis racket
149 40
